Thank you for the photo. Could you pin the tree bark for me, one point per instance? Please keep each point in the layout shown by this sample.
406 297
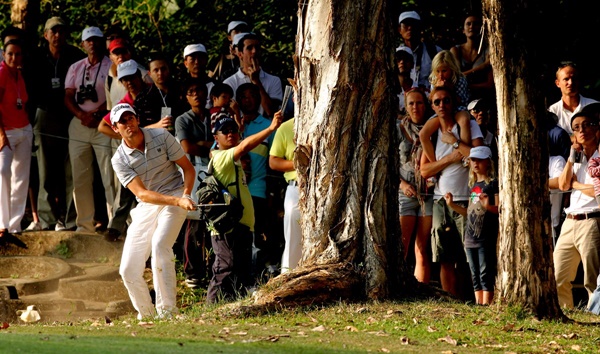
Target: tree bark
346 155
525 265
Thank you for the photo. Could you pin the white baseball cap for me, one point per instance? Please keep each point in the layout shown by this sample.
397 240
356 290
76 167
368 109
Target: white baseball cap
233 24
239 36
90 32
480 152
194 48
117 111
127 68
409 15
405 49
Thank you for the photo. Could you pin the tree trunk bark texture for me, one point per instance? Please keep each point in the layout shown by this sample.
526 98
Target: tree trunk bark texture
346 155
525 265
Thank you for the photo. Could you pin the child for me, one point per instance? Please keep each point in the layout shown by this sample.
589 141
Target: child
481 231
221 96
445 71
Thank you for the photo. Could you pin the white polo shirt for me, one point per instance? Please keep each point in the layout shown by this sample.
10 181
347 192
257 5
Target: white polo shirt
272 84
83 73
581 203
564 115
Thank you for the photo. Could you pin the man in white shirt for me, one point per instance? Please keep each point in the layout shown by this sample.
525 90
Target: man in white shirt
249 52
571 101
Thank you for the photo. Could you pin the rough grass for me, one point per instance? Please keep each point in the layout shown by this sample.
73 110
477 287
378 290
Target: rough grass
407 326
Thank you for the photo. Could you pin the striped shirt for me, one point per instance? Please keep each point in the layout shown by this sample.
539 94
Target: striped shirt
155 166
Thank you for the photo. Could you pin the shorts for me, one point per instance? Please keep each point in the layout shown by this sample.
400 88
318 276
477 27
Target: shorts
447 232
411 207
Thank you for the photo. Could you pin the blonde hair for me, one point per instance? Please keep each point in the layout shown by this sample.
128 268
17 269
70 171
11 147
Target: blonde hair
491 173
445 57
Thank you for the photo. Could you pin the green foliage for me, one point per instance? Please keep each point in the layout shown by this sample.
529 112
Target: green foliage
170 25
63 250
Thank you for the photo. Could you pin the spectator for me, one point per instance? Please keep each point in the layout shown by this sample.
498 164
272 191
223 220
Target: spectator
579 239
410 29
85 98
404 68
161 101
445 71
16 137
195 58
482 112
233 250
249 51
193 131
481 232
474 59
221 96
52 118
146 163
571 101
448 226
556 165
415 206
227 63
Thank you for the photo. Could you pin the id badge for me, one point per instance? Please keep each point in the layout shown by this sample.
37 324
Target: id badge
165 111
55 82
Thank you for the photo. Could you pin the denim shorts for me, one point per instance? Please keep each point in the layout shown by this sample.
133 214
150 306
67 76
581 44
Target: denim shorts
411 207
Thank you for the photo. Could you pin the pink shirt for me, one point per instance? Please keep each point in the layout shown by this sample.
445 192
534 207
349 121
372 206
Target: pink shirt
11 82
82 73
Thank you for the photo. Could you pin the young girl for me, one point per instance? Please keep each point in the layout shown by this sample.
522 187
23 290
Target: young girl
481 232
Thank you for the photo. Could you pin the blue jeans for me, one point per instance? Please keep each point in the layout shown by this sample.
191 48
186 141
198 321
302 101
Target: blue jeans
594 301
482 262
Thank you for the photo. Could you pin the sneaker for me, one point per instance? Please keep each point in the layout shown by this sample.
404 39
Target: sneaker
192 283
34 226
60 226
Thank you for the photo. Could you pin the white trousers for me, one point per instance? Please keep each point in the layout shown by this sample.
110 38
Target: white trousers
84 142
153 231
14 177
291 230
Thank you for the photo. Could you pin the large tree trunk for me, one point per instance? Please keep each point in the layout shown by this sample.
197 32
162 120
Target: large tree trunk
346 155
525 267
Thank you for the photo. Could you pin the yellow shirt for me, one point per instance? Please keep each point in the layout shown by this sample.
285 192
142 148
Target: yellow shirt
284 146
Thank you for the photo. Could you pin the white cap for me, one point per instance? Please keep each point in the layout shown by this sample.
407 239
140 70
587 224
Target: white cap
238 37
90 32
194 48
127 68
480 152
117 111
233 24
473 104
409 15
405 49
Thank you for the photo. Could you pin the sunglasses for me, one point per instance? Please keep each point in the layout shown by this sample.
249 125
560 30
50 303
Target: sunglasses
583 126
228 131
445 100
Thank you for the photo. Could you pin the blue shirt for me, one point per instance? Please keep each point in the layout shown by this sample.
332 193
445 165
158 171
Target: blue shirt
259 157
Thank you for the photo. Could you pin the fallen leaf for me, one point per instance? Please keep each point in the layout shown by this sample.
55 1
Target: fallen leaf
107 320
146 324
314 319
576 348
415 321
448 340
302 334
361 310
431 329
379 333
225 330
571 336
133 334
351 329
320 328
404 341
5 325
508 327
447 352
385 350
477 322
370 320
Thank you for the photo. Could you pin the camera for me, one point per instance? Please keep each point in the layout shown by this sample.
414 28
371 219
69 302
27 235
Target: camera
87 92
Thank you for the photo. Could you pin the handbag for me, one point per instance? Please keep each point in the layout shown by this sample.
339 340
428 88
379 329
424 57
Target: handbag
218 208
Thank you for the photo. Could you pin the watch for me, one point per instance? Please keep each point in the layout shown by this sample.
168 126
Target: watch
456 143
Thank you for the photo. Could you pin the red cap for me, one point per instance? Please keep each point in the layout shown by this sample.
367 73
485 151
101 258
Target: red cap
117 43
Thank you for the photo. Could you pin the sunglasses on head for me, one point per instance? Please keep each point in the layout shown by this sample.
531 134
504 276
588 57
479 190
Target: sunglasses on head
439 101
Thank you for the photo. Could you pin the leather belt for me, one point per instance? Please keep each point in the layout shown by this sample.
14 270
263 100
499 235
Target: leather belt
583 216
293 182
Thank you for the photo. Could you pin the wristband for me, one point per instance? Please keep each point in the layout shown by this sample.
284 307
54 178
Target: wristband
187 196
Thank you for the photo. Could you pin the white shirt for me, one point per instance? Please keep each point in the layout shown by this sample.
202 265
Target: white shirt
555 169
581 203
271 84
564 115
455 177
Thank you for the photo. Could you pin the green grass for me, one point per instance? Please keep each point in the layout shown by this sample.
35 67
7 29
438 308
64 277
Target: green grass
409 326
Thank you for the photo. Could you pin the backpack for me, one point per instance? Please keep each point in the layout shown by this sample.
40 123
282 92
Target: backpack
218 208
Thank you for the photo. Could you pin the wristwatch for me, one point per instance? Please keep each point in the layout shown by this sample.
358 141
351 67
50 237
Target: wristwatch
456 143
